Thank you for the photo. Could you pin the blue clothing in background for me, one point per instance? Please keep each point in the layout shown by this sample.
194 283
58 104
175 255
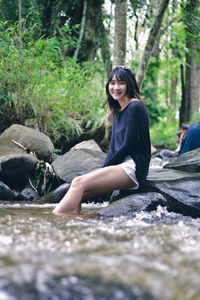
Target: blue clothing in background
130 136
191 140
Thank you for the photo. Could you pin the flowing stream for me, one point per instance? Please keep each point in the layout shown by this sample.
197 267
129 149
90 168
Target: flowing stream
155 255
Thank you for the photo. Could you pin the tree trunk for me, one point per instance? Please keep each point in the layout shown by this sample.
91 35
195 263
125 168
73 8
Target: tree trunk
189 110
83 20
46 9
119 51
173 92
182 111
92 30
192 87
150 42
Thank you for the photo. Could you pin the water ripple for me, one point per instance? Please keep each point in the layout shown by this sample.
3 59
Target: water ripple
155 255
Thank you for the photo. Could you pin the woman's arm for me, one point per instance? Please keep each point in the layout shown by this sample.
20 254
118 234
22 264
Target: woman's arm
111 147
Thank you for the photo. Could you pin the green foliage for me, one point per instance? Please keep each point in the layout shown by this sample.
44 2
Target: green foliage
185 27
163 134
37 82
191 19
174 41
149 91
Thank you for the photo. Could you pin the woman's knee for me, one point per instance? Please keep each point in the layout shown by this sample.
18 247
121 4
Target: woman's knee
77 182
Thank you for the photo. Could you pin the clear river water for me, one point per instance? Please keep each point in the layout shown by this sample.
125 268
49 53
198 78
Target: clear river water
155 255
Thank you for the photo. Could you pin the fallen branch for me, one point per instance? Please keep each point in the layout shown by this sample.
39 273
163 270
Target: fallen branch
18 144
33 187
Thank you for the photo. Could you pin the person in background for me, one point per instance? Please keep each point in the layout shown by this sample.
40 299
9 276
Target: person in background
178 144
191 139
166 154
180 135
127 162
184 129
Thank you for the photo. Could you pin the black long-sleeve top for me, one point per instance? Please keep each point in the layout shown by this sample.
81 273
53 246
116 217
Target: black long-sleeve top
130 136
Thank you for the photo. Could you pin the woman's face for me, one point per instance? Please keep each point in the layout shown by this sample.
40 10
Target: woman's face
117 89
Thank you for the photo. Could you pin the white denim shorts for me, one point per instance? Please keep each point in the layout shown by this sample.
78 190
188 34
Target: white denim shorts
128 165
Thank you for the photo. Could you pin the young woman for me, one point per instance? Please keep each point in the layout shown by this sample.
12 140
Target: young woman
127 162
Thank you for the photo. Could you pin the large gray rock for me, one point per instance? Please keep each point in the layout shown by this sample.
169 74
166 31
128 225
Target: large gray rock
8 147
36 141
90 144
132 204
187 162
77 162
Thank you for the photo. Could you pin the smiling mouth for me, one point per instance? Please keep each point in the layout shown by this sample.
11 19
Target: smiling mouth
116 93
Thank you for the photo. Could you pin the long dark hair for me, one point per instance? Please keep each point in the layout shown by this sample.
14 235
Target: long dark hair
132 89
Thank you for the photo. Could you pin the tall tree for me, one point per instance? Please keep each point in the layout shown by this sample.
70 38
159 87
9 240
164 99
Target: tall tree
93 29
190 97
174 73
81 33
151 41
119 51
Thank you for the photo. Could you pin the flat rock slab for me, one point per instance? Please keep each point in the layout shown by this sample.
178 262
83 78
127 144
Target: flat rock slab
163 175
187 162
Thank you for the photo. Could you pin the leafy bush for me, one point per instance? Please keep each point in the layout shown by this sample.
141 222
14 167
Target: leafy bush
68 100
37 82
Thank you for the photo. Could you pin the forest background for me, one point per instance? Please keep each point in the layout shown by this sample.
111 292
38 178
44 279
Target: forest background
55 57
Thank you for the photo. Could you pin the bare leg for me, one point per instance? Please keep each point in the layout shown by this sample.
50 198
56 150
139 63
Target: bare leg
100 181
